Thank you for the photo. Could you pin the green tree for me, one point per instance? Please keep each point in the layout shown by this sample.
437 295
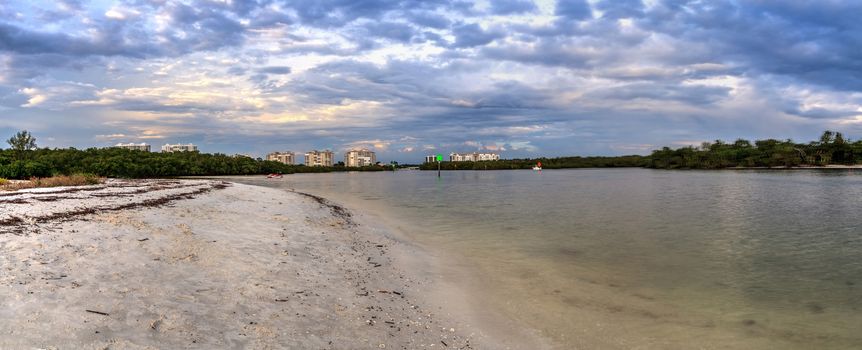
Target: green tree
831 148
22 141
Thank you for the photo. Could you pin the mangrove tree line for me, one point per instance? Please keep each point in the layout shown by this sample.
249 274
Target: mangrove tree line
831 149
24 160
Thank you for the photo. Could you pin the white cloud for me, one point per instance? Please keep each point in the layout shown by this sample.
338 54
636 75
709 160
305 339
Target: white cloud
606 85
121 13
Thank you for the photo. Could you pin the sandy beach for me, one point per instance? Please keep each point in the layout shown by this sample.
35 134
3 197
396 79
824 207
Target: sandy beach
208 264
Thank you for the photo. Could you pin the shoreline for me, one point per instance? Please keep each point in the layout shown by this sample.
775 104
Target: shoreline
202 264
450 284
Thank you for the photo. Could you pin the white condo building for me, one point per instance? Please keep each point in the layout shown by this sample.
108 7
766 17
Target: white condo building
430 159
473 157
282 157
359 157
134 146
179 148
487 156
318 158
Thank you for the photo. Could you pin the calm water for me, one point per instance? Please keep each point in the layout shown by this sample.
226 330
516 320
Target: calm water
635 258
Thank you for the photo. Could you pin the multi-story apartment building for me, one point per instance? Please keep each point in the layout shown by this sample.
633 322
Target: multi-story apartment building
430 159
487 156
134 146
318 158
461 157
282 157
179 148
359 157
473 157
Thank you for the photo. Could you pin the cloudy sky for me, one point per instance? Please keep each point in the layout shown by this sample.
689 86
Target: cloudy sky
415 77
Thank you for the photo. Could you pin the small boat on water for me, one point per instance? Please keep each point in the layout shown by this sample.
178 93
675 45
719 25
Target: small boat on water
274 176
538 166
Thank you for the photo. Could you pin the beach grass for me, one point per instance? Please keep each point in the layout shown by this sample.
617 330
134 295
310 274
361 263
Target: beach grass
54 181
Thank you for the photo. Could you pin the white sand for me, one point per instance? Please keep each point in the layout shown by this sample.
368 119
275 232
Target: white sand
187 264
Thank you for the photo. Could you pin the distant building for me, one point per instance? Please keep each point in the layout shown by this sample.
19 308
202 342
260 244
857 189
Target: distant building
134 146
430 159
359 157
282 157
318 158
473 157
180 148
461 157
487 156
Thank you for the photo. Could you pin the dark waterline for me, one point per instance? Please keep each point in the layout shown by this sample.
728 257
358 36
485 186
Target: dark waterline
636 257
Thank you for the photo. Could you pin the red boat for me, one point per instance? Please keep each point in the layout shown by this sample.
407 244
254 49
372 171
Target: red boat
274 176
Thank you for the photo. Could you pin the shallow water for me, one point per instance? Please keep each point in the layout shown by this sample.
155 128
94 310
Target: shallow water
636 258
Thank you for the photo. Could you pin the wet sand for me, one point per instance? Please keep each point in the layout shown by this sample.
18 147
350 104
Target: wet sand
207 264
